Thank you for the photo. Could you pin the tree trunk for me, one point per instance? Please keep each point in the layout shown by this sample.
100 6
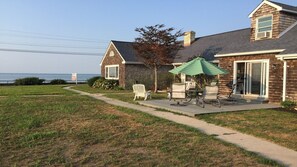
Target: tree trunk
156 79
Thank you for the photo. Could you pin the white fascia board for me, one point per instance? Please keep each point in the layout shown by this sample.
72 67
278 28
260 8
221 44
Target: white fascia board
131 62
250 53
213 61
279 8
177 64
287 56
105 53
111 43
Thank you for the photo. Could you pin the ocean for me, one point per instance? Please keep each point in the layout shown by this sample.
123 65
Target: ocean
10 77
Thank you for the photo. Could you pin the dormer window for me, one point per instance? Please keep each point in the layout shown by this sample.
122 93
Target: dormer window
264 27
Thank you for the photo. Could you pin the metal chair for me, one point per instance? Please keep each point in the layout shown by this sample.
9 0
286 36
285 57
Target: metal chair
178 92
210 93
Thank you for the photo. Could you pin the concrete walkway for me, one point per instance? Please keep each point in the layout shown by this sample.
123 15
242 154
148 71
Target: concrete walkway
262 147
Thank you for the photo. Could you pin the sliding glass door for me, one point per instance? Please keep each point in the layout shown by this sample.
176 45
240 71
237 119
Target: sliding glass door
251 77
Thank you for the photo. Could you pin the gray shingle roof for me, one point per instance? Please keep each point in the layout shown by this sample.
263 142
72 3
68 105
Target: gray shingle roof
286 7
224 43
126 50
236 42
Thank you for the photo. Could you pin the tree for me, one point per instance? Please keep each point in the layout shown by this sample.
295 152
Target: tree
157 46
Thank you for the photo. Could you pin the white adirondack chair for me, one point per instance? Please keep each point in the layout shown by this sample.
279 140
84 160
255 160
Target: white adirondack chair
139 90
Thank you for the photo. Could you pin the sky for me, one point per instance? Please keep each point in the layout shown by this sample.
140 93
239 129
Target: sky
87 26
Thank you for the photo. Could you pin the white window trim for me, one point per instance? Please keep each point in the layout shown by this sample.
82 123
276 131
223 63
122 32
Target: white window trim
257 26
115 78
258 60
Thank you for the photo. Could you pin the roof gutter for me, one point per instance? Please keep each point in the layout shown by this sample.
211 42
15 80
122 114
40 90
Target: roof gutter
213 61
250 53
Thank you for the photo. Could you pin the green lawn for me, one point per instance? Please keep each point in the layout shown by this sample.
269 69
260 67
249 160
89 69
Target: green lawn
86 88
76 130
123 95
33 90
276 126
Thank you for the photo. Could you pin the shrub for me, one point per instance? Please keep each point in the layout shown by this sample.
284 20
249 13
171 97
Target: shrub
58 82
29 81
105 84
288 104
92 80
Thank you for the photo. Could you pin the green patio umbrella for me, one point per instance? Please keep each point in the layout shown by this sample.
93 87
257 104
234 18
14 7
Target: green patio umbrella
198 66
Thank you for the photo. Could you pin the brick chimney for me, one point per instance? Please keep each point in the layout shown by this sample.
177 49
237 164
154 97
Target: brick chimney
189 37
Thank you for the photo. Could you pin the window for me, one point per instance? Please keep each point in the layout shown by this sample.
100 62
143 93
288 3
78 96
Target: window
264 27
111 53
112 72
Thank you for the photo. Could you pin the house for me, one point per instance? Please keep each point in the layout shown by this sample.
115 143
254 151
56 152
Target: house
120 62
261 60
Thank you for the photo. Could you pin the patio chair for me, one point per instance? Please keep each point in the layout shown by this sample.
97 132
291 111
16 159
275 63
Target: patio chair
178 92
230 97
210 93
190 85
139 90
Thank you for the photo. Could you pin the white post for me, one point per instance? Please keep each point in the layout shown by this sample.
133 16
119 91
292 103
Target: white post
284 80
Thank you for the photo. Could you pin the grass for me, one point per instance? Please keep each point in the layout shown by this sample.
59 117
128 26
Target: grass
33 90
77 130
86 88
276 126
123 95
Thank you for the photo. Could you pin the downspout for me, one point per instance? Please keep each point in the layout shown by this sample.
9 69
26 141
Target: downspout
284 79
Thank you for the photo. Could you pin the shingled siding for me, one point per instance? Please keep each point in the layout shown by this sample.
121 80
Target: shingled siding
139 73
291 80
114 60
275 74
286 20
281 20
265 10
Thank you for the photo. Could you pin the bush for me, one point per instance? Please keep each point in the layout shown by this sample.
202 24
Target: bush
105 84
92 80
29 81
288 104
58 82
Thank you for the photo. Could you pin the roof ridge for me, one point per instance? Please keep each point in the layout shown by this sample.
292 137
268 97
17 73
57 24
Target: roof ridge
281 3
120 41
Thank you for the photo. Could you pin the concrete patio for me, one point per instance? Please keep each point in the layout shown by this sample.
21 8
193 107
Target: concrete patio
191 109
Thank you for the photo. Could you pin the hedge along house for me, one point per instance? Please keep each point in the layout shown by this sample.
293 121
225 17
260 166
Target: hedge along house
261 60
120 62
